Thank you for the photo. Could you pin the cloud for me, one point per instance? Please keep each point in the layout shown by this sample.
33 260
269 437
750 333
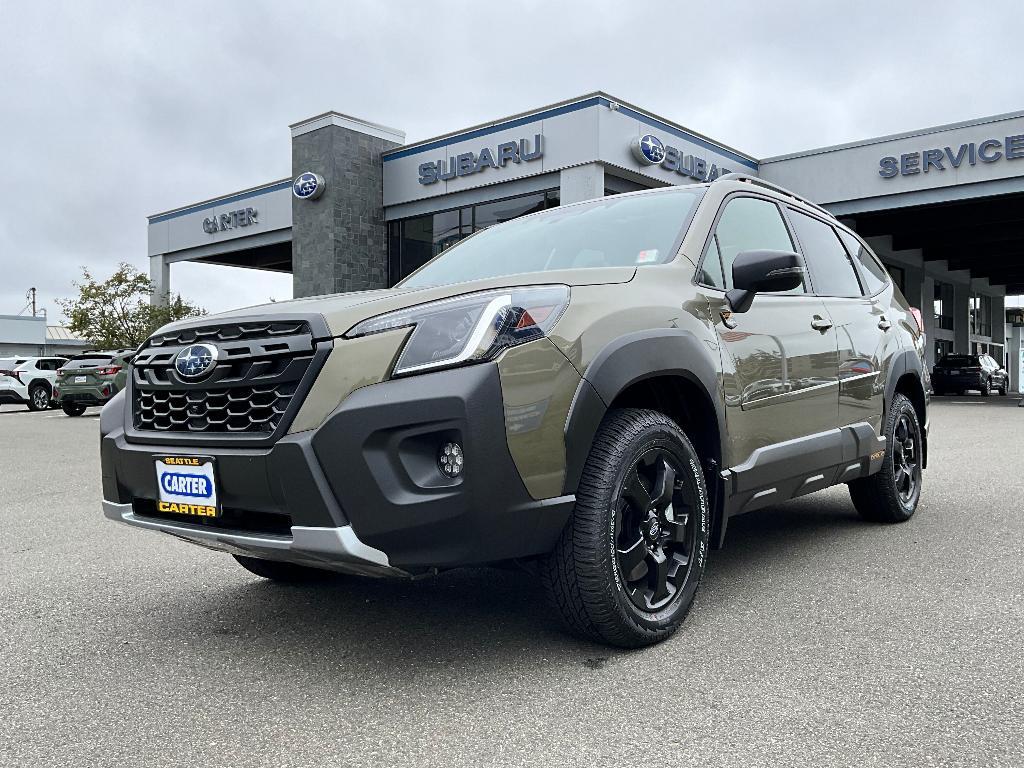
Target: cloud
111 115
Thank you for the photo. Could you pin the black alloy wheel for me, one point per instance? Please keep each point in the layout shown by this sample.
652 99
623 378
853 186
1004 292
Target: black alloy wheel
906 459
655 532
627 566
892 493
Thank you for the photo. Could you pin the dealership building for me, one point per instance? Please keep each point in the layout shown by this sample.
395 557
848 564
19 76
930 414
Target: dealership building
943 207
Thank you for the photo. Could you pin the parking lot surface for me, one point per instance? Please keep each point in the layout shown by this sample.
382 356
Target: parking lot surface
816 639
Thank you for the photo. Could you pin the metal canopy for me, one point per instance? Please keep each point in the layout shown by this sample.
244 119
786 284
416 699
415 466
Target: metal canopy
983 235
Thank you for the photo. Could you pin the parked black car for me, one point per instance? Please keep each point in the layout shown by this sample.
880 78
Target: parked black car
959 373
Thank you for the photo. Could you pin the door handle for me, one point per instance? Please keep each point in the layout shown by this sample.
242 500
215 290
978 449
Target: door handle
884 324
819 323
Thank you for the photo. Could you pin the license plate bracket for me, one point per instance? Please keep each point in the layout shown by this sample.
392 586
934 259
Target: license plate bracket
187 485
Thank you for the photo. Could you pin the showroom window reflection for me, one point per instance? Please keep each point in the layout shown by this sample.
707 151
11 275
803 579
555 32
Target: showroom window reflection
415 241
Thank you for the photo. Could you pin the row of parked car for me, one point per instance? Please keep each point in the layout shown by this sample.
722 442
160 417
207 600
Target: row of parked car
92 378
72 384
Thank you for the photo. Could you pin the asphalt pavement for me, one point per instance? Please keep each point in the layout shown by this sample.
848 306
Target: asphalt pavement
816 639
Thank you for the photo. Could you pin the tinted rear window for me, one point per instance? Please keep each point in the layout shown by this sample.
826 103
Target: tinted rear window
88 362
959 360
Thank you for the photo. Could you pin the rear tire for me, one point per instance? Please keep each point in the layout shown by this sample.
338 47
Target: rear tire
73 409
276 570
38 398
627 565
891 495
1003 388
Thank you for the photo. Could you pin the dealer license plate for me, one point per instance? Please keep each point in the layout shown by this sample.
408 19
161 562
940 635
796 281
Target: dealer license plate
187 485
79 379
954 372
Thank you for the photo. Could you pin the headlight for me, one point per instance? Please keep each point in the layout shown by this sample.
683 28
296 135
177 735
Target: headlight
470 328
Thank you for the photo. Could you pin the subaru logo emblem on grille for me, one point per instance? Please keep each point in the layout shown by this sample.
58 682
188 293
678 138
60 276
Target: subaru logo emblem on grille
196 361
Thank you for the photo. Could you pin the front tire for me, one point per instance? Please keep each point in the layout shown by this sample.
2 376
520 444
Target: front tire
626 568
277 570
38 398
986 388
73 409
891 495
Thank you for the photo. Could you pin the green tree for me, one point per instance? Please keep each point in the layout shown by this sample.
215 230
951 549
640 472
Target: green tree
116 312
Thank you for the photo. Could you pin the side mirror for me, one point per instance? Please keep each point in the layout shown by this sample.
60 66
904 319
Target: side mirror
756 272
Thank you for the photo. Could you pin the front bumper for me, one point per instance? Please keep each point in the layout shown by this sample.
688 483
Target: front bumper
365 484
335 548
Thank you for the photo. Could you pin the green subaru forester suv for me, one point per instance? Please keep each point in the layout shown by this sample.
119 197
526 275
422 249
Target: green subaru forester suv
591 392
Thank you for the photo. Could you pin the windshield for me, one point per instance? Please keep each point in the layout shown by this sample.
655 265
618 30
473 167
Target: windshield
626 231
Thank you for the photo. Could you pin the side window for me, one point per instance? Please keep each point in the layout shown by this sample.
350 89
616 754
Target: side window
832 272
43 365
750 223
874 274
711 268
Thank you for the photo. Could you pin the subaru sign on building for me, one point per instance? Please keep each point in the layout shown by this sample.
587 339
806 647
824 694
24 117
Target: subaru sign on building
363 208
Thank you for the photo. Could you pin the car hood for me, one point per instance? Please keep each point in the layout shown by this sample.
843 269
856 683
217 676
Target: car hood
344 310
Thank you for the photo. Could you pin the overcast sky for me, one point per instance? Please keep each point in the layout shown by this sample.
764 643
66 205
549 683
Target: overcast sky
115 111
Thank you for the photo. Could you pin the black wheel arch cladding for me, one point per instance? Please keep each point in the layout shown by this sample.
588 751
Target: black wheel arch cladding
627 360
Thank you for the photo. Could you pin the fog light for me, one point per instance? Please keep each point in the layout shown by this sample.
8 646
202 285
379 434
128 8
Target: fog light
450 460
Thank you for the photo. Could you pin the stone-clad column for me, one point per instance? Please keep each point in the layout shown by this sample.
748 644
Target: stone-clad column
339 239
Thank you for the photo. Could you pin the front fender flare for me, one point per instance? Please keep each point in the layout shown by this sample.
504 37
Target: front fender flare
625 361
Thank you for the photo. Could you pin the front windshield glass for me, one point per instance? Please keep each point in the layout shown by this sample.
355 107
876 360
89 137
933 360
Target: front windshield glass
626 231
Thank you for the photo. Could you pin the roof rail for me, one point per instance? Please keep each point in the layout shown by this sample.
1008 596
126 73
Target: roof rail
775 187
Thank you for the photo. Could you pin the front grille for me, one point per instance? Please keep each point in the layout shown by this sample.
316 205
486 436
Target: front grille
261 371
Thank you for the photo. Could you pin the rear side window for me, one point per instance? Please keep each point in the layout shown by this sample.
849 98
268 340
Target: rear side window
748 224
874 274
88 362
832 272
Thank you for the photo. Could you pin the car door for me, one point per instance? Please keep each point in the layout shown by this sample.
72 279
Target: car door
779 359
863 331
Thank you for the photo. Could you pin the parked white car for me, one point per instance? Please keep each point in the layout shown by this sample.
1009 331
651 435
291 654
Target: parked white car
28 380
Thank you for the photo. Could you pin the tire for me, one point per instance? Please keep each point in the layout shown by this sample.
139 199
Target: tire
1003 388
627 565
73 409
887 496
276 570
38 398
986 388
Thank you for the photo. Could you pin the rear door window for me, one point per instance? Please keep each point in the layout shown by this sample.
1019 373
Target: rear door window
832 272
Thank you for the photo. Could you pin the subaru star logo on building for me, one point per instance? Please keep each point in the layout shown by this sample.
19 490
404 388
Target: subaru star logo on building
648 149
308 186
195 361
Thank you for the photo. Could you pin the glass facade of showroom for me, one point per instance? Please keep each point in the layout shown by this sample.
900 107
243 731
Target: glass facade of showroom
414 241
